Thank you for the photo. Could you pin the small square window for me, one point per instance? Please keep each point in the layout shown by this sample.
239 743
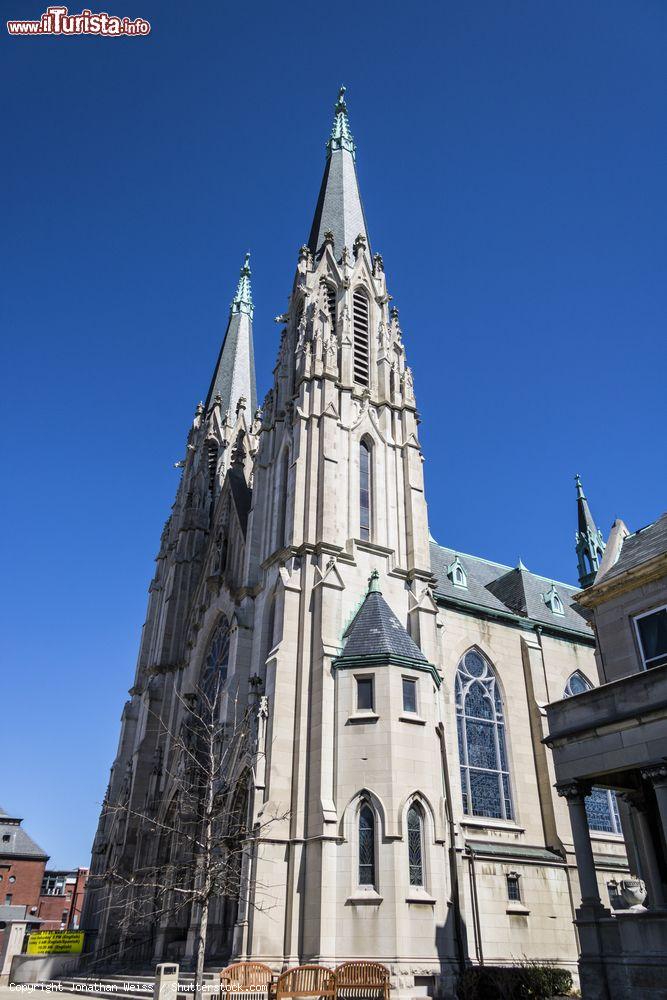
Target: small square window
513 888
365 694
409 695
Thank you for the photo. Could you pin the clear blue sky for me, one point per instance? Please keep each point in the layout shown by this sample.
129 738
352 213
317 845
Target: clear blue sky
512 159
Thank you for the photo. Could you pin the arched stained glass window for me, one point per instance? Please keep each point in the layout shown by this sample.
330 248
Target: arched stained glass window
601 805
366 845
480 718
364 491
216 661
416 844
577 684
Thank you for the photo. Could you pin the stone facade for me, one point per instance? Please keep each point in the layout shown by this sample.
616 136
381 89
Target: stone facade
282 517
615 737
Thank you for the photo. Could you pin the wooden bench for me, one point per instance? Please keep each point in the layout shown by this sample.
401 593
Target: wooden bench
306 981
246 979
362 981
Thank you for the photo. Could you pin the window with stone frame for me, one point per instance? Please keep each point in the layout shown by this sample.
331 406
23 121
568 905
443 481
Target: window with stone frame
365 491
513 887
366 845
409 695
365 694
415 828
480 717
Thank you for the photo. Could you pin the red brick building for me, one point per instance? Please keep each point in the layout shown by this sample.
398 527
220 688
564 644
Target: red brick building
61 899
22 864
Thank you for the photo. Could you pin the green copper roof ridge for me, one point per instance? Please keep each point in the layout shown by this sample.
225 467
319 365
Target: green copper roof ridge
242 301
341 134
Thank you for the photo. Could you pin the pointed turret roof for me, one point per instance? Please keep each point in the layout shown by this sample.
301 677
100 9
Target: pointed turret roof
234 374
339 209
590 542
375 631
585 518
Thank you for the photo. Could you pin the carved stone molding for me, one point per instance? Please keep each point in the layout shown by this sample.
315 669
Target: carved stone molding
657 773
574 789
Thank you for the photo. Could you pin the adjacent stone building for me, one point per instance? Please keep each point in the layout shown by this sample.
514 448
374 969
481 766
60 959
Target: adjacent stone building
615 737
400 685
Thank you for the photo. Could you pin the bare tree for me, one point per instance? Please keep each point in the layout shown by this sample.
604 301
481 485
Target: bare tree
206 838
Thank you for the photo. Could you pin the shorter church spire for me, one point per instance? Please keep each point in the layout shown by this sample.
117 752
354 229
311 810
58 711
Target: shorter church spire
590 544
234 374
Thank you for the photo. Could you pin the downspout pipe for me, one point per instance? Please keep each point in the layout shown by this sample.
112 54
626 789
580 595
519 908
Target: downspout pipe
459 932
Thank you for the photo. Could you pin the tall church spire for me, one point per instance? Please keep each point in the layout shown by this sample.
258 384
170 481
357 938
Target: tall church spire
590 543
339 210
234 374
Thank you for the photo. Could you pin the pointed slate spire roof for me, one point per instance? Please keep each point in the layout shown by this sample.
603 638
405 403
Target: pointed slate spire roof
339 209
590 542
234 374
375 632
585 518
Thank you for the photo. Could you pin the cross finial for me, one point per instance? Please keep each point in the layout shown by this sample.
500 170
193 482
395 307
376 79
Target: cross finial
374 582
341 136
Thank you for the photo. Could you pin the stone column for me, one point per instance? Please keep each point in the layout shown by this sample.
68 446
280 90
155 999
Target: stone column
650 871
657 775
575 792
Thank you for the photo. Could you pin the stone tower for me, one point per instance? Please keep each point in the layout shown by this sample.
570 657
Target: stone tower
338 496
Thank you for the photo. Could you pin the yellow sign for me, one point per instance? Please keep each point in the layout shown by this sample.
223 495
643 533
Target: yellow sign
55 943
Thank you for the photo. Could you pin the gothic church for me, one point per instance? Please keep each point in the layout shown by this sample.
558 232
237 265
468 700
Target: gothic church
400 684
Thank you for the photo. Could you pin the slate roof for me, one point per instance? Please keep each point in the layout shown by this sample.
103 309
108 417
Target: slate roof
234 374
339 209
514 850
376 631
15 912
639 547
20 845
516 590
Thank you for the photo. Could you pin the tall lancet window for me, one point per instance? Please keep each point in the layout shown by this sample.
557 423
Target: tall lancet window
416 845
365 491
601 805
366 845
360 326
480 719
